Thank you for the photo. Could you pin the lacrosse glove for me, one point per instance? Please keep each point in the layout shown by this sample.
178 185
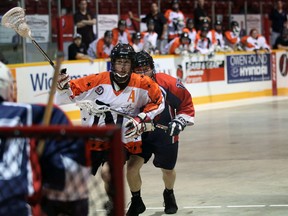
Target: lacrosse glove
176 126
63 80
136 126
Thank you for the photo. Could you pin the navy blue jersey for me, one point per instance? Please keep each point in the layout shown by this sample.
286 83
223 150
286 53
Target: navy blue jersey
20 174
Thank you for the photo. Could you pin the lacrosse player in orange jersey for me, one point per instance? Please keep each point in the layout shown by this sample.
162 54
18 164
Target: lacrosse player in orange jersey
121 90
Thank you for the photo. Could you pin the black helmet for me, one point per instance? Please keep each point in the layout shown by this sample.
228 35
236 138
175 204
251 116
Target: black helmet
124 51
144 59
136 35
122 22
189 21
185 35
108 33
234 23
204 29
218 22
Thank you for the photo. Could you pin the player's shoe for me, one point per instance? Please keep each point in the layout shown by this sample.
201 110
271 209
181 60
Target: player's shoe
169 203
137 207
108 206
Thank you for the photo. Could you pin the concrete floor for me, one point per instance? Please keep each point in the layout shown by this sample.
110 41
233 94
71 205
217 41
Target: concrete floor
233 162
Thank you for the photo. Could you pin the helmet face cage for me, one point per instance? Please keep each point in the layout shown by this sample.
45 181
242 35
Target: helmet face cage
143 59
122 51
6 83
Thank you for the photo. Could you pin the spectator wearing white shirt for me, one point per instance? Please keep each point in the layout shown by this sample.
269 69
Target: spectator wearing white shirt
150 38
255 41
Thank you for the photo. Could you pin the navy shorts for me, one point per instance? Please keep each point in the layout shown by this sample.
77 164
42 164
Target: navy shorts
163 147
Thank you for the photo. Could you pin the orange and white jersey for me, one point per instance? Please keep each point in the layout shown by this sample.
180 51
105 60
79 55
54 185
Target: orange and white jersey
176 47
251 43
231 39
125 37
102 50
204 45
98 49
141 95
175 22
149 40
192 34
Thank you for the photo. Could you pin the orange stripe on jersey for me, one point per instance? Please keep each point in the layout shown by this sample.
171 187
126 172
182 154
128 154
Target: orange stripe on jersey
83 84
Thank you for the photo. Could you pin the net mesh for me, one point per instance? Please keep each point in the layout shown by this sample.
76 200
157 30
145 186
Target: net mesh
60 182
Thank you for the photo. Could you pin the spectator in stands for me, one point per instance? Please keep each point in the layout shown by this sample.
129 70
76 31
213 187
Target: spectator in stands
255 42
160 22
278 17
175 19
203 44
101 48
282 41
150 38
121 33
200 14
137 42
190 30
77 50
84 22
232 37
181 45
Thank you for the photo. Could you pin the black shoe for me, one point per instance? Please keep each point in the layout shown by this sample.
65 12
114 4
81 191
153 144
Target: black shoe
137 207
169 203
108 206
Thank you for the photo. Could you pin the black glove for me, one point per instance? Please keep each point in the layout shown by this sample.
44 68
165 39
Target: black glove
176 126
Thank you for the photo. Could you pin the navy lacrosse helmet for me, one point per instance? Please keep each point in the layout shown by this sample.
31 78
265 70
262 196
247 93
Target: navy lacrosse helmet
143 58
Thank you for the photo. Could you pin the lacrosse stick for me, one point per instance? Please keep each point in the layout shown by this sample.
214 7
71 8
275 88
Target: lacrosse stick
15 19
99 110
49 106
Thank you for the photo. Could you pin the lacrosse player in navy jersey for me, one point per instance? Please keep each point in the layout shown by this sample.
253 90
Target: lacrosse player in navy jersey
178 113
24 177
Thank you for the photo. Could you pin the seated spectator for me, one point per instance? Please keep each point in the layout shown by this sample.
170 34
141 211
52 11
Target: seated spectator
137 42
203 43
150 38
232 36
121 34
282 41
255 42
101 48
190 30
217 35
175 19
77 50
181 45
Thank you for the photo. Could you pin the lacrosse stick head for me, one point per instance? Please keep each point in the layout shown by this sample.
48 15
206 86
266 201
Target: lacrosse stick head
92 107
15 19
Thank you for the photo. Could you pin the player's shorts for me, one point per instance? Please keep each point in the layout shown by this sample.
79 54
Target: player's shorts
163 147
72 208
98 158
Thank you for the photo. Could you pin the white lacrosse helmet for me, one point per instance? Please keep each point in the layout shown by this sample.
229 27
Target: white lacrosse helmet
6 83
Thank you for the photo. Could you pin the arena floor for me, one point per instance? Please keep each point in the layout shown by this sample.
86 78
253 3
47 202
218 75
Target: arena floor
233 162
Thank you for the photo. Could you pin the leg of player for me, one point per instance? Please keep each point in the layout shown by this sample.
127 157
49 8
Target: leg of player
169 177
105 175
134 165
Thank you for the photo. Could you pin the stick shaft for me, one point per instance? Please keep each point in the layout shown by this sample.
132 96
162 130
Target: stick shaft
43 52
49 106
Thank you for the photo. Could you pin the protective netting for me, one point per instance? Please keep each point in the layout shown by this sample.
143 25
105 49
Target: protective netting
60 181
